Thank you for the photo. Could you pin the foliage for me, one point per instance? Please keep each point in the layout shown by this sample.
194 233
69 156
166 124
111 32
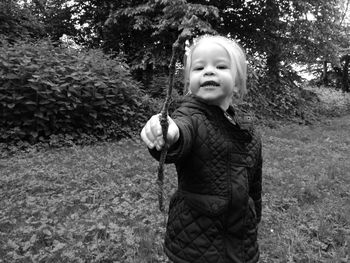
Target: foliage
279 33
99 203
160 83
58 17
289 31
296 31
335 103
277 99
17 22
90 204
46 89
145 30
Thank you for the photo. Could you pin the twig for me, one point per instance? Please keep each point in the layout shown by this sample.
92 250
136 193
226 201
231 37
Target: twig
176 48
345 12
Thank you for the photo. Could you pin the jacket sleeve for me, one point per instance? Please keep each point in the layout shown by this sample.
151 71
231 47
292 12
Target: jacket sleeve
183 146
255 189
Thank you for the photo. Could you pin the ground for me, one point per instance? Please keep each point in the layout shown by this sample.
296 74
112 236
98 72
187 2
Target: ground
98 203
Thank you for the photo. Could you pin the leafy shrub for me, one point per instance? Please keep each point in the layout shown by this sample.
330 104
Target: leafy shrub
47 89
334 102
18 22
160 84
282 98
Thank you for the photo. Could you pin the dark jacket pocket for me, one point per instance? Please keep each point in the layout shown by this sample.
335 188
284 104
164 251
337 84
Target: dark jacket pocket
209 205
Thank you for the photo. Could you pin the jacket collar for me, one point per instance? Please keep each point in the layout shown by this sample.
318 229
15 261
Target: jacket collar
235 115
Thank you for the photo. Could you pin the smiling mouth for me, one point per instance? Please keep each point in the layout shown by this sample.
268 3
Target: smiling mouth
210 84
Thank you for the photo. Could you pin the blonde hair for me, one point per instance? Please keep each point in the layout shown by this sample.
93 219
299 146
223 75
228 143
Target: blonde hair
237 58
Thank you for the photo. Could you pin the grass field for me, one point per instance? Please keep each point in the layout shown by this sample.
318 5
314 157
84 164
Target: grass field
98 203
307 193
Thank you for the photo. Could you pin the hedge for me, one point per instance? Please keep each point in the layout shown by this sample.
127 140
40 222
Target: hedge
47 89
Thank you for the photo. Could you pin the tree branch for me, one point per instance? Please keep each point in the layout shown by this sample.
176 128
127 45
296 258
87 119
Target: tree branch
346 10
176 48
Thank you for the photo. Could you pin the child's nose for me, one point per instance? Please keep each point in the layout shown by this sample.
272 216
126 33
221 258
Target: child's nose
209 71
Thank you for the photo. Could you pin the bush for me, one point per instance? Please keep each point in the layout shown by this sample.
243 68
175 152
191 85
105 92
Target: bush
46 89
278 99
334 103
160 83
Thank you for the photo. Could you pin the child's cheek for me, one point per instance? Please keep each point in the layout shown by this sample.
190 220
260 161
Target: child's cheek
194 89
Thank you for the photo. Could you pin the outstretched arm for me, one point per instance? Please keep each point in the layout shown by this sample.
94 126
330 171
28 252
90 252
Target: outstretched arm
152 133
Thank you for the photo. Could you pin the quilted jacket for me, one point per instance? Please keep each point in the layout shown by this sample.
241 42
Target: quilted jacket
214 214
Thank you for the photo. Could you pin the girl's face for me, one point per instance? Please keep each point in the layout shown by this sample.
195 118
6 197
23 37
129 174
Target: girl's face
211 77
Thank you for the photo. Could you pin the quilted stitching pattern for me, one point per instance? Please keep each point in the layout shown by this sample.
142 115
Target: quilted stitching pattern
192 236
207 141
192 231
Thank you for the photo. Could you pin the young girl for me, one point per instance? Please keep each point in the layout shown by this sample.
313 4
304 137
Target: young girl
214 214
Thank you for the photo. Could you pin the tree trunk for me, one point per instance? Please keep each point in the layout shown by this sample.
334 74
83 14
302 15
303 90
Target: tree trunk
273 63
273 41
345 78
324 73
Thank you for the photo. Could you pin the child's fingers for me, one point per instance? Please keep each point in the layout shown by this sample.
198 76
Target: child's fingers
156 128
155 132
151 134
173 131
146 139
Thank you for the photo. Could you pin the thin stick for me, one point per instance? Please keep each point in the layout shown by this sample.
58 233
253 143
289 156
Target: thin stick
345 12
176 48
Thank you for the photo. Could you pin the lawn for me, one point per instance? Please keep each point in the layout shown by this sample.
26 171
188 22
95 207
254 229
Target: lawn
306 216
98 203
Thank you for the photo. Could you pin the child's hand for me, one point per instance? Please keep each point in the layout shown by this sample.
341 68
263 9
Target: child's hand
152 134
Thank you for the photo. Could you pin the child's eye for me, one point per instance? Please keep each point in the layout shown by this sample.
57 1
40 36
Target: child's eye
222 67
198 68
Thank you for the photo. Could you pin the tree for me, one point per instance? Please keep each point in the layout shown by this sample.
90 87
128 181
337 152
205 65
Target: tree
279 32
38 18
58 17
144 31
288 31
18 22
